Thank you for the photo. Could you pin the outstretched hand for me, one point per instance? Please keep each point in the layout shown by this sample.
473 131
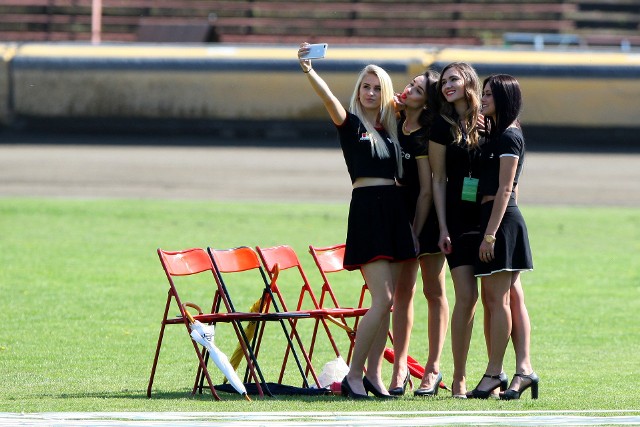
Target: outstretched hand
305 64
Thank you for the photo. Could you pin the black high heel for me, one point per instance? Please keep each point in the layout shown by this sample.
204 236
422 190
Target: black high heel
484 394
399 391
433 391
370 388
347 392
534 380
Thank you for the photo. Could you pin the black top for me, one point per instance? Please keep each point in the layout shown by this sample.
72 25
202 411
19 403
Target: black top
510 143
461 162
413 146
356 148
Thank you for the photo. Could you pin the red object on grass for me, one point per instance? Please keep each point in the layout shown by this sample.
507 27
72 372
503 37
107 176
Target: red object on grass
415 368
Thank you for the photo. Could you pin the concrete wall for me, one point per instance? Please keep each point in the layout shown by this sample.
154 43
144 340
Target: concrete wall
7 52
243 83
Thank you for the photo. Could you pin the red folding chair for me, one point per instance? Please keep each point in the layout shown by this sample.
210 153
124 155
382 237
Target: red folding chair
278 260
241 260
188 263
330 260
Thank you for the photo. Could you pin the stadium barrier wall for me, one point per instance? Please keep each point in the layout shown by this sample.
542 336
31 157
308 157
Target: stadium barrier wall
243 84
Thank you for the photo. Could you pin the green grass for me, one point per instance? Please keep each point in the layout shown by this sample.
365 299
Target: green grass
83 294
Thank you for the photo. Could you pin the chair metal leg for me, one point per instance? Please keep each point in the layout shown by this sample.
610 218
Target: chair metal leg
157 355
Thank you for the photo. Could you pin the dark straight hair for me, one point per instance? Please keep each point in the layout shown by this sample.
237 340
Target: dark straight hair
431 78
507 99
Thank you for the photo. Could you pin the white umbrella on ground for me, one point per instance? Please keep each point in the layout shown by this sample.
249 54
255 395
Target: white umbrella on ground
203 335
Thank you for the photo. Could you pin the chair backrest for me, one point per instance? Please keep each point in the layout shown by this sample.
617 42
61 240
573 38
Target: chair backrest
239 260
330 260
189 262
186 262
282 258
235 260
282 255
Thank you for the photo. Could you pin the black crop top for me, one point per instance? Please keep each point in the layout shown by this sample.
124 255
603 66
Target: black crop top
460 161
462 216
414 146
510 143
356 148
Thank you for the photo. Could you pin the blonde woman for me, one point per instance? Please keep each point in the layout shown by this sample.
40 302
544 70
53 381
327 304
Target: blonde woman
379 237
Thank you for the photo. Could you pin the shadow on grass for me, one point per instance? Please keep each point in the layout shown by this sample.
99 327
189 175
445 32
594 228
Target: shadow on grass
140 394
184 394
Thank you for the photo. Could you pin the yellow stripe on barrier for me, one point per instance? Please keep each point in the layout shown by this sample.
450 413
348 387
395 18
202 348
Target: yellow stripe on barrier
547 57
572 88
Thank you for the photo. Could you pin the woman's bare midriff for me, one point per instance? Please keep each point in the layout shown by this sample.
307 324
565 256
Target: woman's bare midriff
370 182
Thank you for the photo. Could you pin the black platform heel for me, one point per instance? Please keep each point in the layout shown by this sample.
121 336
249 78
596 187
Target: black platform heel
534 380
433 391
347 392
370 388
400 391
485 394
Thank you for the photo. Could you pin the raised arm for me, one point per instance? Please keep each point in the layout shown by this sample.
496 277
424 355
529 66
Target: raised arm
332 104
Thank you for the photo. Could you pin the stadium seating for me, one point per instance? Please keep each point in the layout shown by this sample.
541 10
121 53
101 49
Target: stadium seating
471 22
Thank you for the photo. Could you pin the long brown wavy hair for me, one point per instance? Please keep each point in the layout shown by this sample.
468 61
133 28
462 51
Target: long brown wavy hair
472 91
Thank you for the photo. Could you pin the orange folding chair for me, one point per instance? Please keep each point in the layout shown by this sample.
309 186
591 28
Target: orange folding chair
188 263
330 260
244 259
277 260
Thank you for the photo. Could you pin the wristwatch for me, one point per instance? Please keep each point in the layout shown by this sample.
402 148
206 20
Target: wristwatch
489 238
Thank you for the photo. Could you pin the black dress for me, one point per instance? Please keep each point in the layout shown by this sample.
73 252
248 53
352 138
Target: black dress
512 251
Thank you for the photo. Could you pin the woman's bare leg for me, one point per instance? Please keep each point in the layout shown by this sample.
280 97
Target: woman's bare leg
433 287
466 292
403 321
380 280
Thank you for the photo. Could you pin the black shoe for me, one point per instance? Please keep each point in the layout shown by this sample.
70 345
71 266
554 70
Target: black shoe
345 388
485 394
433 391
515 394
370 388
399 391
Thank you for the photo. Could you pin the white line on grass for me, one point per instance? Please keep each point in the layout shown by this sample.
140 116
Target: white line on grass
321 419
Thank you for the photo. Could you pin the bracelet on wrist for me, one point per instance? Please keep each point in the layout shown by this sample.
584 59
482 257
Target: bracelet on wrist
489 238
308 71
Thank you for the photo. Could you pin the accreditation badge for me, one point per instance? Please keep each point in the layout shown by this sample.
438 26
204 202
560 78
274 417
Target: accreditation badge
470 189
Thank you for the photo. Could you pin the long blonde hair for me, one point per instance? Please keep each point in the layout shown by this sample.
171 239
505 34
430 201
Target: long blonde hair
387 116
472 91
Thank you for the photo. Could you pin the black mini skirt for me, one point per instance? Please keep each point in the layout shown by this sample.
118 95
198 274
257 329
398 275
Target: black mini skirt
430 234
378 227
512 251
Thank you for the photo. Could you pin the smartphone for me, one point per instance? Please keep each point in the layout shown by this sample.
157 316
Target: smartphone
316 51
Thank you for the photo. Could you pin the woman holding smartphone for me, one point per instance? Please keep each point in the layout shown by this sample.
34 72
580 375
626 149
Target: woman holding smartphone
379 237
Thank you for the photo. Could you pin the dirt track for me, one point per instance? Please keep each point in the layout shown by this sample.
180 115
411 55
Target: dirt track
279 174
